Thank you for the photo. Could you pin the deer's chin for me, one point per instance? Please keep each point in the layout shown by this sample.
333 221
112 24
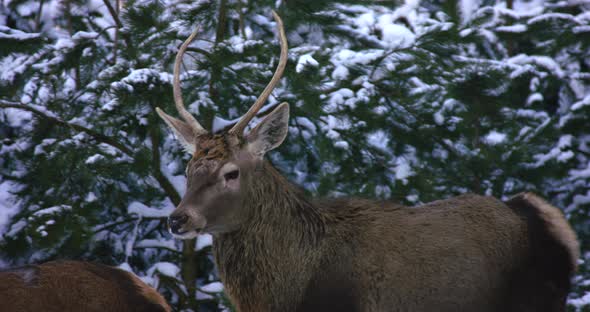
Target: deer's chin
186 235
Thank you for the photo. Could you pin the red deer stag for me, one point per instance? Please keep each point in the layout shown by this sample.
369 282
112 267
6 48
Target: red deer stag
278 250
74 286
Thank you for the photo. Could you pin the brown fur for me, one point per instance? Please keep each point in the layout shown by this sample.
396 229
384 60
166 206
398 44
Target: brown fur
64 286
277 250
467 253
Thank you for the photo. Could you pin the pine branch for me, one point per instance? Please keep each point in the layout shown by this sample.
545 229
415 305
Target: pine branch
94 134
200 51
113 13
116 40
164 183
188 267
38 17
189 271
219 35
157 172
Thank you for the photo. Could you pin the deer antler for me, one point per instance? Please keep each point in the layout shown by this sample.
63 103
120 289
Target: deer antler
176 86
241 125
188 118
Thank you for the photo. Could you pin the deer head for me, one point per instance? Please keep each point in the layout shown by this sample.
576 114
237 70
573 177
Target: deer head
219 162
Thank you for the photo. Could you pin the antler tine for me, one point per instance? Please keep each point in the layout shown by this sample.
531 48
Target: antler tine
241 125
188 117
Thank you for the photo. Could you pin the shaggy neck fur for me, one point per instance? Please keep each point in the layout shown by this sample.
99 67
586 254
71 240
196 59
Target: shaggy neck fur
264 265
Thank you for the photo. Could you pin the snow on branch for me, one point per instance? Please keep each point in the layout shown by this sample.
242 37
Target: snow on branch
51 117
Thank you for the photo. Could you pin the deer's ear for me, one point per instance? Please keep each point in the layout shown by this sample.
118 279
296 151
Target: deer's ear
181 129
270 132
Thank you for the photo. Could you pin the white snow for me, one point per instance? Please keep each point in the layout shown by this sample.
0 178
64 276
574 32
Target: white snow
378 139
412 198
204 240
340 73
16 34
306 124
340 98
517 28
549 16
540 60
40 148
580 302
403 170
85 35
220 124
467 8
125 267
16 227
52 210
306 60
90 197
581 29
559 152
9 203
535 97
144 75
94 159
168 168
494 138
580 173
341 145
131 238
142 210
397 36
64 43
165 268
439 119
584 102
214 287
579 200
156 243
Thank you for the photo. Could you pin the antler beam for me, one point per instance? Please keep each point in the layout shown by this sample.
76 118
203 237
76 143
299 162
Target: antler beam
186 115
241 125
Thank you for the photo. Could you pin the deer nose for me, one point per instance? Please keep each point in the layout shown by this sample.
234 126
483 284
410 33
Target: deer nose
176 222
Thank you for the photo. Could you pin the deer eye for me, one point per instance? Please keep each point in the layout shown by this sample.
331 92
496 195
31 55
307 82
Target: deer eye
232 175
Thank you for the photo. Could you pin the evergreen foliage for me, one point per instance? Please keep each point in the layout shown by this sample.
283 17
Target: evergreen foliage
412 102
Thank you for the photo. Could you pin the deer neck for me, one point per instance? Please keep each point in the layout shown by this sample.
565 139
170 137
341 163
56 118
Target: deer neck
275 248
271 197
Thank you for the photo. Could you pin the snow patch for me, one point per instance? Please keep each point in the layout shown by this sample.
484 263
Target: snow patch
494 138
215 287
51 210
378 139
156 243
518 28
142 210
306 60
165 268
397 36
9 203
203 241
94 159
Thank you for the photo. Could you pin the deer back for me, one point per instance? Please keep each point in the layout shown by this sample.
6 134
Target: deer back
76 286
